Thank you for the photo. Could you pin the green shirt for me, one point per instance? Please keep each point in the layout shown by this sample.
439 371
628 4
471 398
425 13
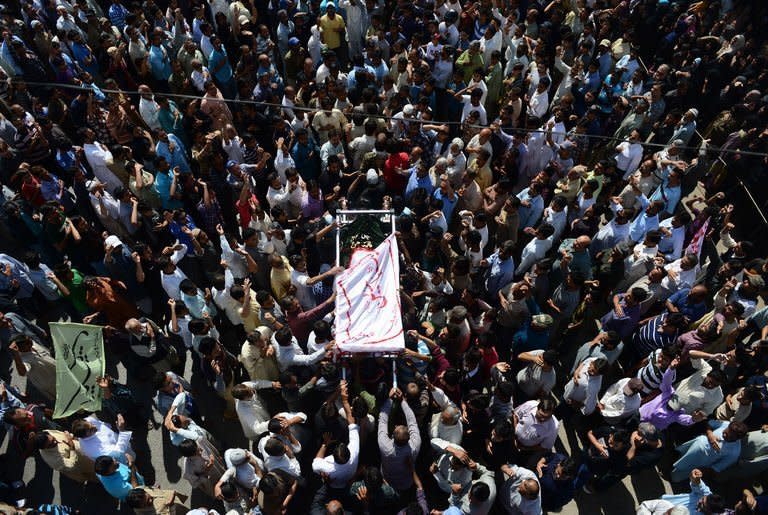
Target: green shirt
77 291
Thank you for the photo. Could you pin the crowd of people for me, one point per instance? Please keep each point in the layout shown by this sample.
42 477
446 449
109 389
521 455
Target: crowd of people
577 187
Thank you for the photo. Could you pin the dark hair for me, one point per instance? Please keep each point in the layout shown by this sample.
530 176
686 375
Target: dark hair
41 440
274 447
283 336
207 345
80 428
188 448
341 454
268 483
547 404
102 465
136 498
480 491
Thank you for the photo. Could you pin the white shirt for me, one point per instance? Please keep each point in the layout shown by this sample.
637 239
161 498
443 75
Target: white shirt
150 112
199 78
616 405
292 355
685 278
99 158
106 442
303 290
533 252
341 473
628 158
556 219
283 161
534 379
442 435
468 108
515 503
244 474
538 104
224 300
585 392
253 416
236 263
171 282
475 142
672 246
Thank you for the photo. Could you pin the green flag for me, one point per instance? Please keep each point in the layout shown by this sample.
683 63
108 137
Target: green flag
79 361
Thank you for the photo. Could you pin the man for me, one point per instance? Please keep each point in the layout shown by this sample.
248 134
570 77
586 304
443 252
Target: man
97 439
520 492
339 468
253 416
621 400
535 425
118 479
667 408
398 452
625 313
99 159
62 453
537 248
695 501
702 390
290 354
718 449
500 269
147 500
258 356
300 321
36 363
479 498
332 29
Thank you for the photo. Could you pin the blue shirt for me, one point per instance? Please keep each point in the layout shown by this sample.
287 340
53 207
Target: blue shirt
118 484
176 157
415 182
449 204
500 273
159 63
117 14
223 74
163 187
529 216
527 339
25 285
622 325
692 312
669 195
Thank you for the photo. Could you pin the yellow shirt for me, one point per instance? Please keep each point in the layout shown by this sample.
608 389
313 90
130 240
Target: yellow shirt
330 30
253 319
280 279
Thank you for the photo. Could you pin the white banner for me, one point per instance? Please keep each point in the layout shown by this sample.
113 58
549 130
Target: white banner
368 301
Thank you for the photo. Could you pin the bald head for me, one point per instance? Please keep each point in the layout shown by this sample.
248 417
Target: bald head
582 243
400 435
529 489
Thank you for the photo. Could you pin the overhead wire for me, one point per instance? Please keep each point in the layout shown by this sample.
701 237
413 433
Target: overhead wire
660 146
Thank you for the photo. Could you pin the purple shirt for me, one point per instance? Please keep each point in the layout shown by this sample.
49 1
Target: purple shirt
622 325
657 410
312 207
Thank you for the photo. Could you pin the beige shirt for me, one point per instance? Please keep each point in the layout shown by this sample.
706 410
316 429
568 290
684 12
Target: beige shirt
68 460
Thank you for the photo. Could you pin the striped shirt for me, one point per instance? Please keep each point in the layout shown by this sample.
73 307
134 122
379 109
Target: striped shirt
651 374
650 336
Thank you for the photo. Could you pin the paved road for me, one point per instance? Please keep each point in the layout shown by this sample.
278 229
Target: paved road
164 468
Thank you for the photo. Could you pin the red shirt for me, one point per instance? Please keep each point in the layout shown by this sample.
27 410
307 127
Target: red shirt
396 182
30 190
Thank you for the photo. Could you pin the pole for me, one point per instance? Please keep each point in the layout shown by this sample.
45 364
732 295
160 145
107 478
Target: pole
338 239
394 373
